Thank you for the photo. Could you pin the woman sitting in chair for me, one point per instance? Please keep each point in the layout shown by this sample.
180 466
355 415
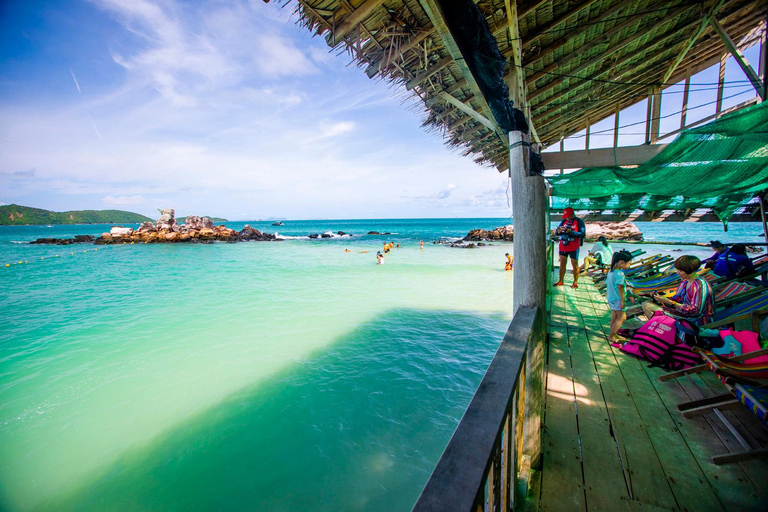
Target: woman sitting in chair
601 254
693 300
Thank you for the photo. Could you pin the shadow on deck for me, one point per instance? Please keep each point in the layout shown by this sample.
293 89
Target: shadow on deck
613 437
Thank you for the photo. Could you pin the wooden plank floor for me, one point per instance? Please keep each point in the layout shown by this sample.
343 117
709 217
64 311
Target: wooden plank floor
613 437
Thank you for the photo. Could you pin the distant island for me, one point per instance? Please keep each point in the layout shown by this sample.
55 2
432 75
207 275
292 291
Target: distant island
17 215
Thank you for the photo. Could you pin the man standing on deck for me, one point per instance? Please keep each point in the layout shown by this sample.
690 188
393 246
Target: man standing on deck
571 231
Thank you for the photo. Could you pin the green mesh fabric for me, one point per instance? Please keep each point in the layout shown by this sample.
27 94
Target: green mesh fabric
721 166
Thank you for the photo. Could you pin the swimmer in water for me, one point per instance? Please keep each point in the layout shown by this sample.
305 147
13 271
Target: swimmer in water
379 258
510 262
347 250
421 245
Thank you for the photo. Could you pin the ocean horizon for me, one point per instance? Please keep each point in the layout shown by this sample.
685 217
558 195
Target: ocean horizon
261 375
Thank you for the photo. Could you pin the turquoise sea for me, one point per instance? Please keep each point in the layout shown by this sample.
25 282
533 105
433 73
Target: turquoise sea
284 375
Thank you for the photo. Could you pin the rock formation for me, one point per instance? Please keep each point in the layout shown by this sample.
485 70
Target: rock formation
613 231
502 233
167 219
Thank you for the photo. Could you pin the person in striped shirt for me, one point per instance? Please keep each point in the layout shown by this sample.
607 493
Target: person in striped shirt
693 300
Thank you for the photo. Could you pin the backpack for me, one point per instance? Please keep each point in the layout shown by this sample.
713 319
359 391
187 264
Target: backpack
690 335
656 341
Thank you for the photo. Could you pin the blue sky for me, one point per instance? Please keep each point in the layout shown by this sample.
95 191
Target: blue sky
213 108
217 108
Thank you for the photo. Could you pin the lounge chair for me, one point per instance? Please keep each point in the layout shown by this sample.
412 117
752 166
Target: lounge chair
746 384
750 308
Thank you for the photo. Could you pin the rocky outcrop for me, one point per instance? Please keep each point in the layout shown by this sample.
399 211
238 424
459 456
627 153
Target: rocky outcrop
377 233
78 239
613 231
167 220
503 233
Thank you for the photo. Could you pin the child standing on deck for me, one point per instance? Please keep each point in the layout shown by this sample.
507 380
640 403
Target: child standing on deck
617 293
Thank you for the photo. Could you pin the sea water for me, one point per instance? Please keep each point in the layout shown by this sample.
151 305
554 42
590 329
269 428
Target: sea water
287 375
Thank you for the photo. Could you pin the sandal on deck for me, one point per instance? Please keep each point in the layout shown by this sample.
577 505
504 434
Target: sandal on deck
574 285
559 283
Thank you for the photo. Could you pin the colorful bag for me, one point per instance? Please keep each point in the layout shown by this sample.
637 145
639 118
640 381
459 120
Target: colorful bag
656 342
741 342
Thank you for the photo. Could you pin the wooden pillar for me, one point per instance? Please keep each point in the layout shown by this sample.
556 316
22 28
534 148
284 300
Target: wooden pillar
687 89
762 216
562 148
528 212
721 84
648 115
655 115
763 65
586 142
616 127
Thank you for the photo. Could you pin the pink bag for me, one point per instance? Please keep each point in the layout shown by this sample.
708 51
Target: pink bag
748 342
656 342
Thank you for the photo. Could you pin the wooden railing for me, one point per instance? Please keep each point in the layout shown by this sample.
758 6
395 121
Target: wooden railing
488 462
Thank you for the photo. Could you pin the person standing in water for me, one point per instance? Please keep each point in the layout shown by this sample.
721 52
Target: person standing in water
379 258
510 262
421 245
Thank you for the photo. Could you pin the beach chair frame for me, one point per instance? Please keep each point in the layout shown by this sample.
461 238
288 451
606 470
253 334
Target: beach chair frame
719 403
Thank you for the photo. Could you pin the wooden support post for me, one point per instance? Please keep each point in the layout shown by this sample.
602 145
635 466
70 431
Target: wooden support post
648 115
528 212
616 126
686 90
739 57
763 66
586 141
721 84
562 148
655 115
762 216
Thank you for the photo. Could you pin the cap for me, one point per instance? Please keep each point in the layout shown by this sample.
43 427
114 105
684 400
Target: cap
568 212
716 244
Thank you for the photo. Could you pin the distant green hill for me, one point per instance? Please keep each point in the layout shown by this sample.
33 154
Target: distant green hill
16 215
182 220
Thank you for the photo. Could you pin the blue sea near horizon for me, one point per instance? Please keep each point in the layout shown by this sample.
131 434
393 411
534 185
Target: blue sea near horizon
251 376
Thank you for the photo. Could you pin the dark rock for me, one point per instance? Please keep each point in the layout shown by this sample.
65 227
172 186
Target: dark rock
341 233
79 239
326 235
377 233
314 235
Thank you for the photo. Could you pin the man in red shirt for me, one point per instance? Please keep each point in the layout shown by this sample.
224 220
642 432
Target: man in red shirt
571 232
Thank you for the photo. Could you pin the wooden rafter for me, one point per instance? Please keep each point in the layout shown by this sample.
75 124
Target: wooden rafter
739 57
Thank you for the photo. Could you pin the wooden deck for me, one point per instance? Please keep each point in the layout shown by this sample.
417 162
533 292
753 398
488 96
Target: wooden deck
613 437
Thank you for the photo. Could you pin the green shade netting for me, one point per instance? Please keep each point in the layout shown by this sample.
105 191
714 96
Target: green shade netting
721 166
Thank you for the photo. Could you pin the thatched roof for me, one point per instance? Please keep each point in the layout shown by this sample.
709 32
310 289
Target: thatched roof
582 60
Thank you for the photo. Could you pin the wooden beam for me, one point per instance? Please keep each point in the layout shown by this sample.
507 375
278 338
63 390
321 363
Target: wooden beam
705 58
609 51
721 83
434 68
686 91
416 39
570 35
739 57
467 110
518 88
355 17
435 13
603 157
632 73
692 40
655 115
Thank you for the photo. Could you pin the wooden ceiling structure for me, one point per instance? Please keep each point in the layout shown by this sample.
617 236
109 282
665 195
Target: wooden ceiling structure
570 63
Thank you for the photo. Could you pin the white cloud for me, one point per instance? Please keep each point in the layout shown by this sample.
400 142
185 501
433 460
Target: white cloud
123 200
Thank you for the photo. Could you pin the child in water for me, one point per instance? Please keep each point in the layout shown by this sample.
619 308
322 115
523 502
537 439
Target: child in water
379 258
617 293
510 262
